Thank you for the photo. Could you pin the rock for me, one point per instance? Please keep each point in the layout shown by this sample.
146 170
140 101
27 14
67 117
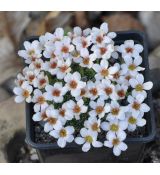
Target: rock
3 94
34 15
48 23
93 15
10 65
155 78
35 27
9 85
151 22
154 58
57 19
2 157
122 22
81 19
12 119
154 64
34 156
16 23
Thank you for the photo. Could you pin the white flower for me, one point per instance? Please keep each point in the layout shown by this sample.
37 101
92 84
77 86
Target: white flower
55 92
103 71
37 65
107 90
100 108
77 108
115 127
134 121
136 105
139 86
83 93
40 116
129 49
49 52
56 36
103 51
82 42
32 51
41 81
93 89
99 36
64 113
20 79
51 66
64 47
93 124
43 39
63 68
116 76
23 93
39 100
124 79
30 76
88 138
77 31
74 83
64 135
121 91
117 111
87 60
132 65
52 121
117 144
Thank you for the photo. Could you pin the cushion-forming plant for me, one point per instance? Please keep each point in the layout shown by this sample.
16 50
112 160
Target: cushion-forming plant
84 86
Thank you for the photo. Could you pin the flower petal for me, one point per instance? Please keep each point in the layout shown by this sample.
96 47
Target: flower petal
48 127
105 126
70 129
148 85
97 144
19 99
86 147
116 151
54 133
108 144
141 122
79 140
61 142
123 146
144 107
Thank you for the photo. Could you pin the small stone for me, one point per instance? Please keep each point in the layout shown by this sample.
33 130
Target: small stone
32 151
9 85
57 19
93 15
17 22
12 119
34 157
23 151
10 64
122 22
4 95
81 19
154 58
37 14
152 25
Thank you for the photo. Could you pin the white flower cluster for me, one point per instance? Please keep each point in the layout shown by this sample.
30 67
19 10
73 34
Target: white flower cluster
83 86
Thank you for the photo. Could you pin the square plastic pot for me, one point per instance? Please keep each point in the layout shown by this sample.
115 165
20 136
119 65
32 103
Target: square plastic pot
50 152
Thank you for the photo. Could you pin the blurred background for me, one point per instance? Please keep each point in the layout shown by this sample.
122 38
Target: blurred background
15 27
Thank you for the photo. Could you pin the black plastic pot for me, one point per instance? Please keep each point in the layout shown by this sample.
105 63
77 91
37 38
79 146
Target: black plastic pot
50 152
